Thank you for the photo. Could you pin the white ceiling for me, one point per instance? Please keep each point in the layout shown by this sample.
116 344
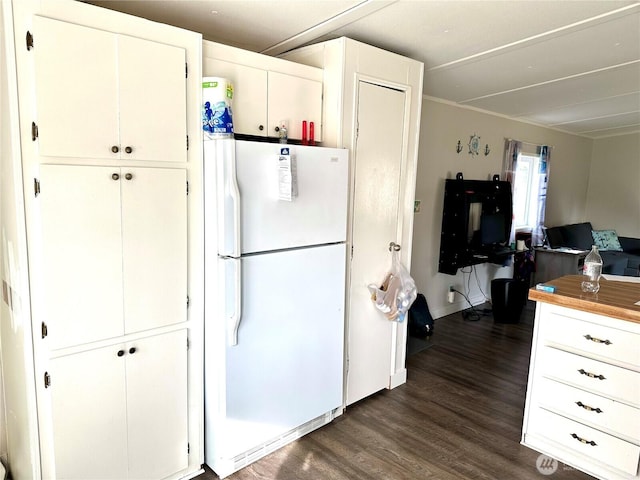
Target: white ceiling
569 65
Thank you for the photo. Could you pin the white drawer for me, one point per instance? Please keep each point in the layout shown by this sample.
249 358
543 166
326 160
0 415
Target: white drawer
617 418
591 443
591 375
603 341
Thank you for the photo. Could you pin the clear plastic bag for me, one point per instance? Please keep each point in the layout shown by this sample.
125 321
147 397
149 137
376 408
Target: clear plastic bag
396 293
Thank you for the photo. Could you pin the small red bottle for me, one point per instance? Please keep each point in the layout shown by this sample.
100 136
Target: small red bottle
304 133
312 139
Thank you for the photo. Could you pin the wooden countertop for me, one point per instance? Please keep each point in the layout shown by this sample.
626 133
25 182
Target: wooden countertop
615 299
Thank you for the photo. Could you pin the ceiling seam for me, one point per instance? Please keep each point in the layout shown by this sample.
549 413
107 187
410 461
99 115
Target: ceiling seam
518 43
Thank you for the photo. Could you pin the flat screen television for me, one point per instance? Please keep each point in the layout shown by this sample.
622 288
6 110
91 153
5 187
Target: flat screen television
493 229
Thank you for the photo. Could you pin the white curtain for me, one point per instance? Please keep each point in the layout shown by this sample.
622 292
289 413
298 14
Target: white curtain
535 168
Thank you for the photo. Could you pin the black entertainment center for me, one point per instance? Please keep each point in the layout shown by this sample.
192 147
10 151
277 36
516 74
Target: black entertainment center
476 223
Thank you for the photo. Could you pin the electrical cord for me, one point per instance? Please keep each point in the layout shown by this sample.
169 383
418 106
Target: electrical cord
472 313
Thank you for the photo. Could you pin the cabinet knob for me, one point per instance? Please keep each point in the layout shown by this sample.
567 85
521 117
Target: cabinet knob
132 350
128 149
120 353
115 176
261 127
115 149
128 176
277 129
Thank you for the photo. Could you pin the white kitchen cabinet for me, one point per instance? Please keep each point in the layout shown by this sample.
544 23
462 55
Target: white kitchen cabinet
267 91
114 243
121 410
583 395
372 101
116 238
93 102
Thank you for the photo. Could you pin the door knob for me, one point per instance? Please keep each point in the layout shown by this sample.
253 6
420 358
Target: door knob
115 149
128 176
115 176
394 247
128 149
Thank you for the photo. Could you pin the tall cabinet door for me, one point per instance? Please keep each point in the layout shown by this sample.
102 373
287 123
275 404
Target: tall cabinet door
153 109
76 90
154 243
157 405
81 281
375 224
89 414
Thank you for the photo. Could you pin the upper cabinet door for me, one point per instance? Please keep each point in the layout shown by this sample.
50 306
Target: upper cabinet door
80 284
76 90
249 103
154 247
294 99
101 95
153 93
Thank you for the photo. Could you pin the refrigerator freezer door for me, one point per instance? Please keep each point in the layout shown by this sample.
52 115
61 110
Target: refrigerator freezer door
316 216
287 366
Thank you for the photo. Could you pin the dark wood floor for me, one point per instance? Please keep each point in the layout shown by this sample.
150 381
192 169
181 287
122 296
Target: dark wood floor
459 416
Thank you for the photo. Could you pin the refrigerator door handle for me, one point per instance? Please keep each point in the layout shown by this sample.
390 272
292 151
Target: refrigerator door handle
229 199
235 284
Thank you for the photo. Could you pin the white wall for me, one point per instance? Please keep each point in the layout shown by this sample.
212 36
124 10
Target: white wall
613 196
442 126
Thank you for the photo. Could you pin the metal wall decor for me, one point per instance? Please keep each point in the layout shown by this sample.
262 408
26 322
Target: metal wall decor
459 147
487 150
474 144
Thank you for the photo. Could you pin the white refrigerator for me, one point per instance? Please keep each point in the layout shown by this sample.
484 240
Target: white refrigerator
275 259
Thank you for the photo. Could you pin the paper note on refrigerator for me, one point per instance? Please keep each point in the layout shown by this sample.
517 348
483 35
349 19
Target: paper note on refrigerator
287 175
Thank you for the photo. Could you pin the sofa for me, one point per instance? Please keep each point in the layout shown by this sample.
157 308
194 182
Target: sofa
620 255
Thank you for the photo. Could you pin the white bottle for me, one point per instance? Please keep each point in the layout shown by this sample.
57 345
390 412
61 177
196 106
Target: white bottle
592 271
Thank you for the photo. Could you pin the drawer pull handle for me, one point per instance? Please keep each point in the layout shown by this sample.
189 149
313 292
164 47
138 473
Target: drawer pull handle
591 375
582 440
597 340
588 408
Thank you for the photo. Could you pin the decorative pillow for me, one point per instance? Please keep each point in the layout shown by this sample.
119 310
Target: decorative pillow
606 240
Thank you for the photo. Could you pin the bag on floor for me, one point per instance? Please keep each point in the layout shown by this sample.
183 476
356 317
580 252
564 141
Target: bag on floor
420 319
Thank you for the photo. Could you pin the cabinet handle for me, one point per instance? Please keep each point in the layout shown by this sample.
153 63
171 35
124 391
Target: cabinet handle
588 408
128 149
115 176
582 440
128 176
132 350
261 127
591 375
115 149
120 353
597 340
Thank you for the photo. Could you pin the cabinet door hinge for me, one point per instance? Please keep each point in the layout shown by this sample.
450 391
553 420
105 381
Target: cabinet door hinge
29 40
188 344
36 186
351 252
188 301
188 449
45 331
47 380
186 70
187 142
34 131
187 187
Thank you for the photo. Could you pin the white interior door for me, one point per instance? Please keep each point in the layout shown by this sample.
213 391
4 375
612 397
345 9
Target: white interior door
89 414
153 99
376 217
157 405
154 247
76 90
81 281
